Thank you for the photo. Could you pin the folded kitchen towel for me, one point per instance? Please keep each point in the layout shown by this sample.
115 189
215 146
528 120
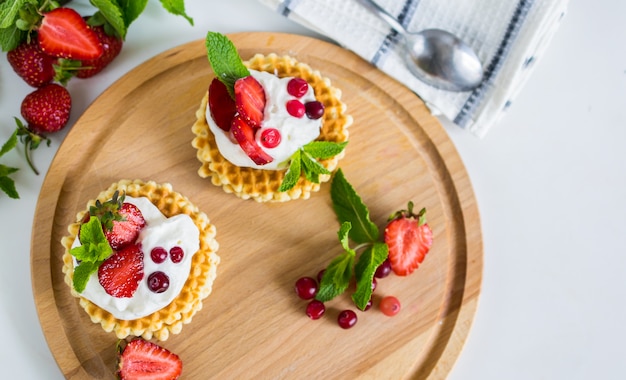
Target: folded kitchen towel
507 35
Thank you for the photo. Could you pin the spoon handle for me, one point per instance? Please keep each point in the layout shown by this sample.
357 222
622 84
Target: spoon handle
376 9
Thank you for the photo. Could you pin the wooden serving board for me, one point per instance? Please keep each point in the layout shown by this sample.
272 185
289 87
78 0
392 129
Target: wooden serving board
253 325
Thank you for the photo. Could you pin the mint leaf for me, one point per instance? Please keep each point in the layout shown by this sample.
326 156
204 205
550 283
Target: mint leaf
312 168
364 271
7 185
111 11
350 208
94 245
337 275
9 144
225 61
176 7
82 273
324 149
293 173
6 170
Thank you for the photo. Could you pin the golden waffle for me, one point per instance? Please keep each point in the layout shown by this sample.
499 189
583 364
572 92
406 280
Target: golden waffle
171 318
262 185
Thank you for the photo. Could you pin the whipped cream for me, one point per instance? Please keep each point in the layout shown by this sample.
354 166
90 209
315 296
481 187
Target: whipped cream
295 132
159 231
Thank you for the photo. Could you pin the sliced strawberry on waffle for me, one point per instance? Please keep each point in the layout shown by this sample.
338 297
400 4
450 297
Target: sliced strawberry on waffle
250 100
244 134
121 273
121 222
221 105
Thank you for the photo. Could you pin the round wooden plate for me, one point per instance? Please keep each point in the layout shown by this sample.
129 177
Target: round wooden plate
253 325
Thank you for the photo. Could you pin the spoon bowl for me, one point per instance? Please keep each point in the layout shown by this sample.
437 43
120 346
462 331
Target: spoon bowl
435 56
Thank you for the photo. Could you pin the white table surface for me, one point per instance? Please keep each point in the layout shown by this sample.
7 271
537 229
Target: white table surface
550 180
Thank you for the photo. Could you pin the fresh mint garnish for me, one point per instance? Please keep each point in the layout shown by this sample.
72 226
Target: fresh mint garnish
306 160
7 184
356 226
94 249
225 60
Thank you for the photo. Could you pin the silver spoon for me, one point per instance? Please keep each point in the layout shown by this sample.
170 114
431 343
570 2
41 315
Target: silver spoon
436 57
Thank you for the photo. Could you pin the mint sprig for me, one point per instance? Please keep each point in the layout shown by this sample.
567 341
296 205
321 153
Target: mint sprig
225 60
94 249
305 160
356 225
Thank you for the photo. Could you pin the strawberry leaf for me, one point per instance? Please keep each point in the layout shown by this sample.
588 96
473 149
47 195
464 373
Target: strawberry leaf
9 144
131 9
350 208
337 275
111 11
7 185
364 271
225 60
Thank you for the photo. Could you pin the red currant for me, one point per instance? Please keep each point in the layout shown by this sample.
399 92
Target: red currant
320 274
297 87
295 108
176 254
315 309
158 282
383 269
346 319
374 284
314 110
390 306
306 288
158 254
270 137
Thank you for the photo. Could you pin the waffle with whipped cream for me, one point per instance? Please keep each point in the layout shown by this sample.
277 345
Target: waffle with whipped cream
262 185
198 286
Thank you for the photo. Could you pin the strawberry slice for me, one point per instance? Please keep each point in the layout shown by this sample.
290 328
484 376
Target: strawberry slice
146 360
409 239
121 273
221 105
244 134
250 100
64 33
126 230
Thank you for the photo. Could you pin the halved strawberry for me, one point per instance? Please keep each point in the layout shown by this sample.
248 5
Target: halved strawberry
125 231
146 360
64 33
250 100
409 239
244 134
121 273
221 105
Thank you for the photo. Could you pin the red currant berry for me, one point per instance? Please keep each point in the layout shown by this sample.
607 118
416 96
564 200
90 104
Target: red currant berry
158 254
158 282
295 108
315 309
368 305
383 269
176 254
390 306
306 288
270 137
314 110
297 87
374 284
346 319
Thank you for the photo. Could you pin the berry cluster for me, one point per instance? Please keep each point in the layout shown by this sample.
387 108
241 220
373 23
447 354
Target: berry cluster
158 281
298 87
307 287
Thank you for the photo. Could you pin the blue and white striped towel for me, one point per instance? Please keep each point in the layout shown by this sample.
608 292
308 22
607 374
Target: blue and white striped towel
508 36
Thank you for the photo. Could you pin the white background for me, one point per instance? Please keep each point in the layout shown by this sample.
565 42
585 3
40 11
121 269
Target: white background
550 180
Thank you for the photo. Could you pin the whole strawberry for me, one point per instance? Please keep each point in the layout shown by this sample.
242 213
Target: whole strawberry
111 45
33 65
409 239
47 109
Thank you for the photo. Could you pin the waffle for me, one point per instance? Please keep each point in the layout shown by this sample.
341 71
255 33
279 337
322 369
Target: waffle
262 185
170 319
